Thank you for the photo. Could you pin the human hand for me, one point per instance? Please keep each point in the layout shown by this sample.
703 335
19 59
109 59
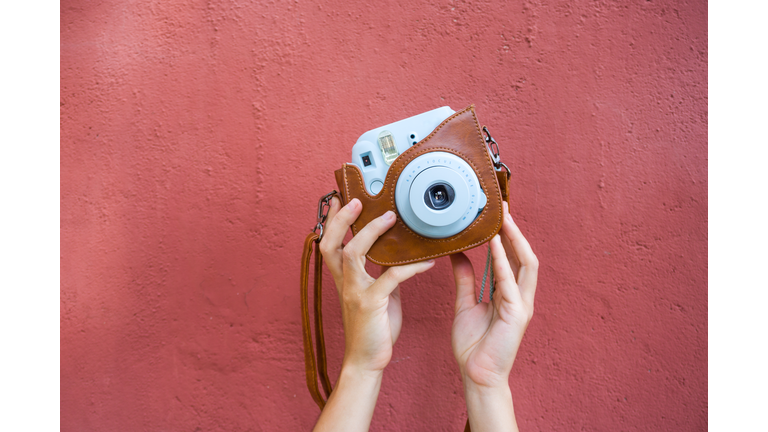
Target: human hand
486 336
370 308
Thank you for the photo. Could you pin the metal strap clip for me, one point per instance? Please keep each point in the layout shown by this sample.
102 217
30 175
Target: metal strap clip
494 149
323 206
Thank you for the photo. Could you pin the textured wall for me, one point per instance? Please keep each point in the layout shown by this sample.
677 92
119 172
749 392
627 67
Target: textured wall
196 138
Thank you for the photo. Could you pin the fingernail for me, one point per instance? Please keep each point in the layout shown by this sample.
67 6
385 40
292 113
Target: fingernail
354 204
430 261
388 216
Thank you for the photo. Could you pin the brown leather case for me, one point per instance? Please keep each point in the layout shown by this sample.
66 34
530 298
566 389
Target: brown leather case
461 135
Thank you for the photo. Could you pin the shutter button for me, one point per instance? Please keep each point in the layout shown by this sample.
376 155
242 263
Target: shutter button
376 186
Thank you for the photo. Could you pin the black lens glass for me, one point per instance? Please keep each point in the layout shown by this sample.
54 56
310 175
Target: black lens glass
439 196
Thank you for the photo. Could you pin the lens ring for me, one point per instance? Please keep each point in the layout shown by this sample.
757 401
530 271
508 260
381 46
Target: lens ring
423 172
439 196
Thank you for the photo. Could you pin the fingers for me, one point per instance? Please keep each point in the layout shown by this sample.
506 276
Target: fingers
355 250
336 226
394 276
335 207
513 262
529 265
464 277
505 279
520 245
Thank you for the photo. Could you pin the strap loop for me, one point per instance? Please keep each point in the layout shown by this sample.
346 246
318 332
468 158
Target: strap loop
323 207
494 150
309 354
314 366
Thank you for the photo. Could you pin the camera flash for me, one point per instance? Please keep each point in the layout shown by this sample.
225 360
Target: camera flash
388 147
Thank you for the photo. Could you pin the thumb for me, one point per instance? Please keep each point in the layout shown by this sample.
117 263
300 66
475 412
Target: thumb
464 277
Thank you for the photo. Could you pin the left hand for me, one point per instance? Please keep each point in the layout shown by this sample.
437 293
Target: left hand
371 314
370 308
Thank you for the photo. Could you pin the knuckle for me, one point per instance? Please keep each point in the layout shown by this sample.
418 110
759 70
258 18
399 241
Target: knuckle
349 298
349 253
346 216
374 227
534 262
395 273
324 248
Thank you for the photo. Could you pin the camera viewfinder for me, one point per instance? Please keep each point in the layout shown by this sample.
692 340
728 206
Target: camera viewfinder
388 147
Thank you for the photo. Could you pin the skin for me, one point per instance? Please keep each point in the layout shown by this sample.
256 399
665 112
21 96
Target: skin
485 336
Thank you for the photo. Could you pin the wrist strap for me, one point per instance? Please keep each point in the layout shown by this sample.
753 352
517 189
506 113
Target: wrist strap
312 367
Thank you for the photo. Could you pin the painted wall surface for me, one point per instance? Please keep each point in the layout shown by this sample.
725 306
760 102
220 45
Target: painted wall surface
196 138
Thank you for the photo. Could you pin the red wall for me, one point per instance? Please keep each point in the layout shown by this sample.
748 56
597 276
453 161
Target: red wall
196 138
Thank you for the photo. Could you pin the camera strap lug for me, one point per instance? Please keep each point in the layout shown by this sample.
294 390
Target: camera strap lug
494 150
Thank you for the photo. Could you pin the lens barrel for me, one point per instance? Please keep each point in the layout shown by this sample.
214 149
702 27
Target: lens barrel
438 194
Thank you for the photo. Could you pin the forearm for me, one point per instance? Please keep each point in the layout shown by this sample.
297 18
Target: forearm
489 408
350 406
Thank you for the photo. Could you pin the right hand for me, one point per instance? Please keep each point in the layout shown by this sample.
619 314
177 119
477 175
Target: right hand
486 336
370 308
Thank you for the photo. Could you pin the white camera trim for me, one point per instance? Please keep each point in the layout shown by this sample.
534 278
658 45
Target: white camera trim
375 171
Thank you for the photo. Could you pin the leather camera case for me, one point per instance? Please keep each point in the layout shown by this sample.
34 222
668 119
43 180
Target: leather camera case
461 135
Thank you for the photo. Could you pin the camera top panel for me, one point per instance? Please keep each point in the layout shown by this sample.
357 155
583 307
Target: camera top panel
376 149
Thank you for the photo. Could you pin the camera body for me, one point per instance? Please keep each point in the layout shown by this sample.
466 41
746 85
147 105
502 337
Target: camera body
437 194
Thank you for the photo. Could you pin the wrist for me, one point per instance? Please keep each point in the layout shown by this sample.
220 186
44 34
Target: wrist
490 408
487 392
357 374
363 365
351 404
484 379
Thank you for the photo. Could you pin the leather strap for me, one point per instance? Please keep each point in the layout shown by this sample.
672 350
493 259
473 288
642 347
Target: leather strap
309 355
322 364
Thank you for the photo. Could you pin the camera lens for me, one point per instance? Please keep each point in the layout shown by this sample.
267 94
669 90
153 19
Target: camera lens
439 196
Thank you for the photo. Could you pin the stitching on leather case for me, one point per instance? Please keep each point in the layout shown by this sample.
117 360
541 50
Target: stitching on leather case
399 221
440 126
474 167
346 189
475 222
495 229
403 162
